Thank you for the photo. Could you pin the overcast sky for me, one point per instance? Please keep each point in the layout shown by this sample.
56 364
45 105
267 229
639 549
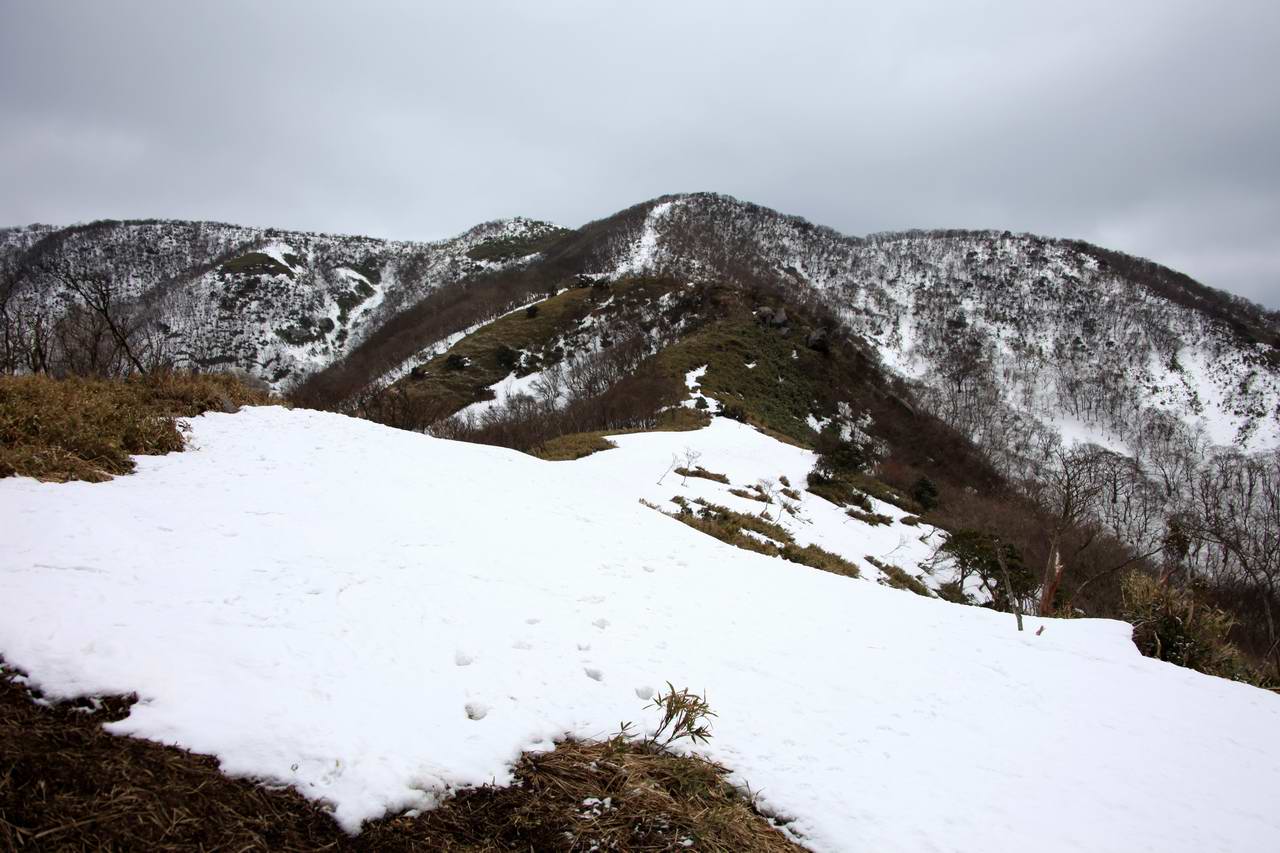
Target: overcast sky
1151 127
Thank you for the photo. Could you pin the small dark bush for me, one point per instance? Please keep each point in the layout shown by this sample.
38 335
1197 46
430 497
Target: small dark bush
975 553
506 357
837 456
925 493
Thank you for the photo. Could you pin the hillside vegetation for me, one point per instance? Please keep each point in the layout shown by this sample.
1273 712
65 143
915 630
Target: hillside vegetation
87 429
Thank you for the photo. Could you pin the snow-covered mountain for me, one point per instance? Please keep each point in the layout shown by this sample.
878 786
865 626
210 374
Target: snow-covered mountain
1004 335
277 304
1089 341
780 481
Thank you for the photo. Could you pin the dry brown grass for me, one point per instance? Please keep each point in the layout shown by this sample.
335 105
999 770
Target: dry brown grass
579 445
703 473
66 785
1173 624
86 429
752 494
899 578
566 448
726 531
729 526
820 558
874 519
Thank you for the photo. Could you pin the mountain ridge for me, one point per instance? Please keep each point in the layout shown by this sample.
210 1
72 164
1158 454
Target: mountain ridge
981 320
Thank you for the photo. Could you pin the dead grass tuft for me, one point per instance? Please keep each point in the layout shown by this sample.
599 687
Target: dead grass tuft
86 429
899 578
576 446
699 471
682 419
579 445
820 558
752 494
875 519
729 526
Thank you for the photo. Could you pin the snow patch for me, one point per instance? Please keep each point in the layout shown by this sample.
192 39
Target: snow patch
644 251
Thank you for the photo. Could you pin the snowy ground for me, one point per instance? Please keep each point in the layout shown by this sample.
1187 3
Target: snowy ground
746 457
374 616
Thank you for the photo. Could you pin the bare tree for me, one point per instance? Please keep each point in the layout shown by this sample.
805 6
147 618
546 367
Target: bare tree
26 326
1069 485
1237 515
10 339
104 333
691 458
767 488
999 549
675 460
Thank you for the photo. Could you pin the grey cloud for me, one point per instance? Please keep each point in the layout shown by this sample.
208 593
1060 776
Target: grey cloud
1149 127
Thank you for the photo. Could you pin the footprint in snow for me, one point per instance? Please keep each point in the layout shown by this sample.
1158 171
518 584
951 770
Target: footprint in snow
476 710
593 673
522 645
584 647
532 620
644 692
601 623
462 659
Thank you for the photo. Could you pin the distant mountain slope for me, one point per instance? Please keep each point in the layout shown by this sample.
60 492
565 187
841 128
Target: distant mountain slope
1008 337
1054 331
278 304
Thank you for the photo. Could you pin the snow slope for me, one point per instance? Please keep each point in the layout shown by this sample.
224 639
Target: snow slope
374 616
746 456
1062 330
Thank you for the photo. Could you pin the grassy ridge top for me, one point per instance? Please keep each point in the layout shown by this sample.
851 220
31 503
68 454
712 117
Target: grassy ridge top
86 429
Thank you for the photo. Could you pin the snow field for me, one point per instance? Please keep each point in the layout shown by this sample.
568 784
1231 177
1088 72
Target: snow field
375 616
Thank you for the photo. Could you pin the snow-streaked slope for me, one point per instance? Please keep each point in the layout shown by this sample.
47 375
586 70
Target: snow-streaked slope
374 615
278 304
746 456
1061 331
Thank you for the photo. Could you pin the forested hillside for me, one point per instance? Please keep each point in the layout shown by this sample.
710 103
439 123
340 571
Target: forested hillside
114 296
